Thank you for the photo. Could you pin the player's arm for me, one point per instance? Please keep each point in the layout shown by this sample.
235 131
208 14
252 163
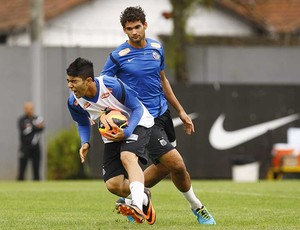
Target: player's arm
187 122
81 117
133 103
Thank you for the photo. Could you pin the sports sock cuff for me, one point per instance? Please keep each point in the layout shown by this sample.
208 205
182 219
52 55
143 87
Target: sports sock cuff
192 199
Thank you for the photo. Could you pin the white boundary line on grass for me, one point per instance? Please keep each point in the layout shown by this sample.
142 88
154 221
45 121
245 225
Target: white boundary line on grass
255 194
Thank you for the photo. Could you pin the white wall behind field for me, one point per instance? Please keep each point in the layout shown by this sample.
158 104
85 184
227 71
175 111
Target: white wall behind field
96 24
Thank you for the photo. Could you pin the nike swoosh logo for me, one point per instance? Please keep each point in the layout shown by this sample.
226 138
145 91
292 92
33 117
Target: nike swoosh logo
177 121
129 60
221 139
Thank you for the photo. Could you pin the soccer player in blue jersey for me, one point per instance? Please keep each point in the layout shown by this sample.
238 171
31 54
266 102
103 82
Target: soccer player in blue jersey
90 97
139 62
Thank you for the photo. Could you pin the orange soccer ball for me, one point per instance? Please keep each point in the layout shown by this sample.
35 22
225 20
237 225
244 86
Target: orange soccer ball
111 117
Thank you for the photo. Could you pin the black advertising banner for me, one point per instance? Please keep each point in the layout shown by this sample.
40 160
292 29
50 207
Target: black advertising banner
235 124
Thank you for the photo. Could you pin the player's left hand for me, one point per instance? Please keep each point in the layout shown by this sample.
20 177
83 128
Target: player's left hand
118 134
188 124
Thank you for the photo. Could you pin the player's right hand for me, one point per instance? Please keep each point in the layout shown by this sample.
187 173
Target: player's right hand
83 151
118 134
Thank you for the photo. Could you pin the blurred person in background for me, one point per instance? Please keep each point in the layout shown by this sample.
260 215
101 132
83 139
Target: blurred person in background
30 129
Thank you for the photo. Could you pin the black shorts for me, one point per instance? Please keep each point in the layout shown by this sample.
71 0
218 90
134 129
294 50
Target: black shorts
112 164
162 137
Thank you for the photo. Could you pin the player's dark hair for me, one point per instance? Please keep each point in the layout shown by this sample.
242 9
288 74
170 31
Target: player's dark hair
132 14
81 68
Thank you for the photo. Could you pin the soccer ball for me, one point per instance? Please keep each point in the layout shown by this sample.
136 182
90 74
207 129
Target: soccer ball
111 117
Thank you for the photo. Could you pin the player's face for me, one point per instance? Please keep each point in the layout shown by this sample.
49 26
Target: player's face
77 85
135 32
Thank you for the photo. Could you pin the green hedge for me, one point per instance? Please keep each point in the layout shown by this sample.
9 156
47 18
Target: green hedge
63 160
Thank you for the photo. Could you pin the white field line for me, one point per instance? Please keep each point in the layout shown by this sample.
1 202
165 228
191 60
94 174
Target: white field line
254 194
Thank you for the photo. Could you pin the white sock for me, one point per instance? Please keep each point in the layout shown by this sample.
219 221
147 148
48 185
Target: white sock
145 199
128 199
192 199
137 193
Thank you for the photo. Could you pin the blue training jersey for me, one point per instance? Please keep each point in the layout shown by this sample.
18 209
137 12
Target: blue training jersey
140 69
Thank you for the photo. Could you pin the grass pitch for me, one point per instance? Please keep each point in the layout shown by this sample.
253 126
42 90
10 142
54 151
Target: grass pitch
88 205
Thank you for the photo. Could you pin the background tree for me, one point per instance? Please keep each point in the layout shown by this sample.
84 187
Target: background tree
176 47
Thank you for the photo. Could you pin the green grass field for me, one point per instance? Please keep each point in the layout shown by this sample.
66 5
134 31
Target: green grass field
88 205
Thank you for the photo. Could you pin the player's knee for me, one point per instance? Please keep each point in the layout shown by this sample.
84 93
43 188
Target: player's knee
175 162
128 159
178 168
113 186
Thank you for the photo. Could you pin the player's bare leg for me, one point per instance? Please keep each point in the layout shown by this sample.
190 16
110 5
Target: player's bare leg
135 176
154 174
118 185
175 164
136 186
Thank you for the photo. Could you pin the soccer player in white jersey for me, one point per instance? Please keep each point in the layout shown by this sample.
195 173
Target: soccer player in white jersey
139 62
90 97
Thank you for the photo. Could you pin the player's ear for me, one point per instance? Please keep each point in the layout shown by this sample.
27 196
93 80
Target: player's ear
89 79
145 25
